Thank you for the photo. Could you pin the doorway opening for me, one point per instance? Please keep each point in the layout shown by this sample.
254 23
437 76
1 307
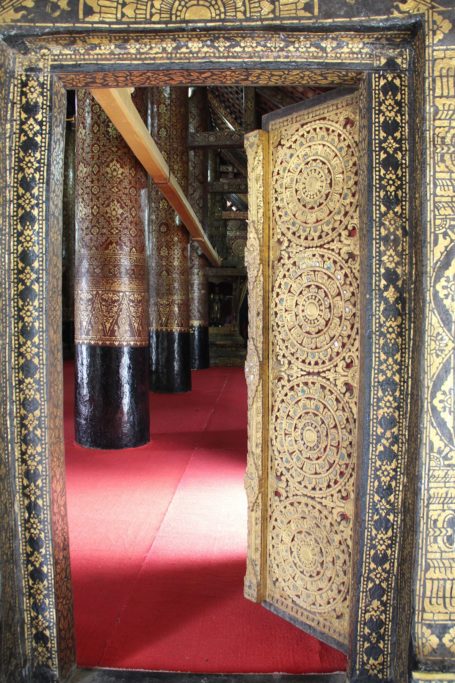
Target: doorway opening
380 60
158 533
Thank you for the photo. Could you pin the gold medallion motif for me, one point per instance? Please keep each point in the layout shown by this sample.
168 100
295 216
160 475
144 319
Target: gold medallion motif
308 554
314 427
315 180
316 306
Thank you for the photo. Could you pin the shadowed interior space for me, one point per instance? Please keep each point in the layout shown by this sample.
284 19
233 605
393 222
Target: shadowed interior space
158 544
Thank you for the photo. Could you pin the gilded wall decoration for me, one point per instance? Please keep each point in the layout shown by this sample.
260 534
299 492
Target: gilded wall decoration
164 11
111 287
435 580
435 11
435 563
12 11
314 362
161 13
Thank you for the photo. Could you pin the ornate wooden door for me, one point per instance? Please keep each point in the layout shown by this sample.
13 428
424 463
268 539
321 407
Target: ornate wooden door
303 361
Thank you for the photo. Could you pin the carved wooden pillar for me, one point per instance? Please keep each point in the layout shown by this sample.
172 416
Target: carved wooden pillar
197 190
170 363
111 300
68 232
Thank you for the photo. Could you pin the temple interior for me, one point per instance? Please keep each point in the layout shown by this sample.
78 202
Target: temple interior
227 296
155 339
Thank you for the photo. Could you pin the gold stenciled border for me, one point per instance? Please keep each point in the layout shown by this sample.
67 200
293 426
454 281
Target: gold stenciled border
388 411
434 629
351 49
434 619
32 94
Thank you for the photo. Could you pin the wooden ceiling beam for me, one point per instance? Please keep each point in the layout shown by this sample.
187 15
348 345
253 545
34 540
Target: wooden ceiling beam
120 109
235 215
236 185
216 139
276 97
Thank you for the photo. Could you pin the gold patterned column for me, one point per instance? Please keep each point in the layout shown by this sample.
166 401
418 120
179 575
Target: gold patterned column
197 190
111 303
170 364
199 309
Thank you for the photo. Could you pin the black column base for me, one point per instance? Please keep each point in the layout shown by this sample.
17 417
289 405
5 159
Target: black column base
170 362
112 403
68 339
200 356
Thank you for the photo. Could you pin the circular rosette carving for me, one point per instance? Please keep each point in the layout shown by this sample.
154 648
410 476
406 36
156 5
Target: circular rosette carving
315 181
313 434
310 558
315 310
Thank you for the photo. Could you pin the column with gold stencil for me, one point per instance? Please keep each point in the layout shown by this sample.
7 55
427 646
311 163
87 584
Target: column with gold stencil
197 178
111 290
170 362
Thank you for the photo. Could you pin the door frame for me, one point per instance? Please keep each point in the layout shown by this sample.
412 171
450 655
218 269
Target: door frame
384 61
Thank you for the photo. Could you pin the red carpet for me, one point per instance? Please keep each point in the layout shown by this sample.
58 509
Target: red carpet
158 537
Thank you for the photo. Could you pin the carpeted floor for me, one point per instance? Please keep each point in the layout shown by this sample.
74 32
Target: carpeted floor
158 539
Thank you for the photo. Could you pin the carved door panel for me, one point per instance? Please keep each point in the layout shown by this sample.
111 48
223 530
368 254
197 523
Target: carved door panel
303 359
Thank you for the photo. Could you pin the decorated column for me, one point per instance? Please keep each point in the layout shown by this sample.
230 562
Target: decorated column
111 289
170 361
197 190
199 309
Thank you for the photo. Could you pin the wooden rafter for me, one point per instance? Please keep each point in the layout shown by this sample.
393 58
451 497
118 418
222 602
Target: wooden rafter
235 215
